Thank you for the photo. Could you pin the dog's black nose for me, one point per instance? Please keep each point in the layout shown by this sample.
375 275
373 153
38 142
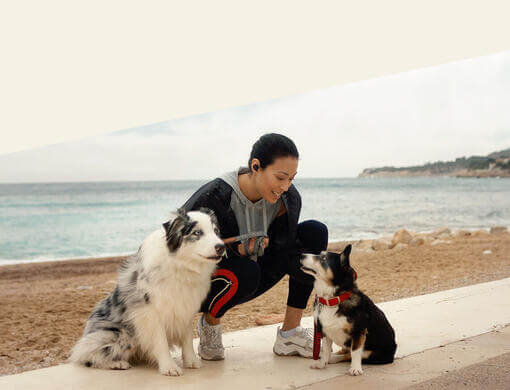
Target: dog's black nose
220 249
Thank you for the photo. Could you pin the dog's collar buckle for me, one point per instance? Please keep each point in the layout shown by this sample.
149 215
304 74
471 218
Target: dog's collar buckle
336 300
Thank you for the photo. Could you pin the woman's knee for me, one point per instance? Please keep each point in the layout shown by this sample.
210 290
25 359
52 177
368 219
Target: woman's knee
231 285
313 236
247 275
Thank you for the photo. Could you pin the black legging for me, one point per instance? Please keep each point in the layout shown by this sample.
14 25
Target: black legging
240 279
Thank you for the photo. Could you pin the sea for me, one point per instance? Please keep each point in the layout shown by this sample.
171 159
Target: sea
55 221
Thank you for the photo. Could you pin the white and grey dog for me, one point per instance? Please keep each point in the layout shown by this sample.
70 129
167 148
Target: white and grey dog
159 290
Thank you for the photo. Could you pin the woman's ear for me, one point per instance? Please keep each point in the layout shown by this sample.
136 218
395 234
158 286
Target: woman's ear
255 165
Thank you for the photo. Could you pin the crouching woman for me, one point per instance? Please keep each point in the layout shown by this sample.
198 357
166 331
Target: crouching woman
258 209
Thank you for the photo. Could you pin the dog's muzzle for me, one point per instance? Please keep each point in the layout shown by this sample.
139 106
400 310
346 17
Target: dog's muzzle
220 251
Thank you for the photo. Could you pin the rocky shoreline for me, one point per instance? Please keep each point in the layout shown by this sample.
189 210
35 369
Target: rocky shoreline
403 238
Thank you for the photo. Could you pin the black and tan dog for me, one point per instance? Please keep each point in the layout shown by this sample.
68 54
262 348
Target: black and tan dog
347 316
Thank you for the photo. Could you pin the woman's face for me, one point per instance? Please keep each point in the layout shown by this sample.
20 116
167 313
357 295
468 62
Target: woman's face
276 178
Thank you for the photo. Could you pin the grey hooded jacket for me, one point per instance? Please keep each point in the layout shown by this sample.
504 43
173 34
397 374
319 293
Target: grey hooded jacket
238 217
253 219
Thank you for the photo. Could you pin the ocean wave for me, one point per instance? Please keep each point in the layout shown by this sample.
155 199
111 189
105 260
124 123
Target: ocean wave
50 258
54 205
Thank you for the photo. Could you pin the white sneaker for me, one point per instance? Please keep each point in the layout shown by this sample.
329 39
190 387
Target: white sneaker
211 345
300 343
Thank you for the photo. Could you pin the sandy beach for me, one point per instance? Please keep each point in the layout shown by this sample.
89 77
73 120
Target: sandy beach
44 306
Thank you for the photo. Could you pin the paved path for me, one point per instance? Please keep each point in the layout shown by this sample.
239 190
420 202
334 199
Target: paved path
481 362
493 374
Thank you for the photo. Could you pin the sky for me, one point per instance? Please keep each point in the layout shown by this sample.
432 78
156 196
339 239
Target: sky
425 115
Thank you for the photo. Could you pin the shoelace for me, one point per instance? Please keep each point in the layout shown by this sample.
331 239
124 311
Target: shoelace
308 334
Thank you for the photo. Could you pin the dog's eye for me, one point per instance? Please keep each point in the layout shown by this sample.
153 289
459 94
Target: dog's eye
198 233
217 231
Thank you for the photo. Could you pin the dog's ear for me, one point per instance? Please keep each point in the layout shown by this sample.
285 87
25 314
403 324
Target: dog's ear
174 229
344 256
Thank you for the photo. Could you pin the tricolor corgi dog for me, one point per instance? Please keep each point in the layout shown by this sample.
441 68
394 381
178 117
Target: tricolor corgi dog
347 316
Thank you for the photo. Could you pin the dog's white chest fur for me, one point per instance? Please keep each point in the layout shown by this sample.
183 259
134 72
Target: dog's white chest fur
177 299
333 325
176 287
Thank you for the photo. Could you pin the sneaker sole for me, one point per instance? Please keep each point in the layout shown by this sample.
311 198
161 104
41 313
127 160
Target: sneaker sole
204 356
292 352
213 358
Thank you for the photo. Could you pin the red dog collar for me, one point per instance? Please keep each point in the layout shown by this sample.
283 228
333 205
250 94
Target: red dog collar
339 299
336 300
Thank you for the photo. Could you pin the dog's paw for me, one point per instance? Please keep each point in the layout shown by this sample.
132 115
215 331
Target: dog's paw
170 370
355 371
119 365
318 364
196 362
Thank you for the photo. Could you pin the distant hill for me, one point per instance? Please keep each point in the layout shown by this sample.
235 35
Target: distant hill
502 154
492 165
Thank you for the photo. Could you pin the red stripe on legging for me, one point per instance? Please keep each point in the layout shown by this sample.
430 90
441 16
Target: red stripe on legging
229 294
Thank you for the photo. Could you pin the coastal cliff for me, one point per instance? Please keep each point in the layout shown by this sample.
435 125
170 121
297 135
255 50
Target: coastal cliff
496 164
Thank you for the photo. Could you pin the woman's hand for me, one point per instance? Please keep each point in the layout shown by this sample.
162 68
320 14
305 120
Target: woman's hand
251 246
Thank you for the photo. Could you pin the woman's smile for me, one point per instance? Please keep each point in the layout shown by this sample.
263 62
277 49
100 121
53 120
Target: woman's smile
277 194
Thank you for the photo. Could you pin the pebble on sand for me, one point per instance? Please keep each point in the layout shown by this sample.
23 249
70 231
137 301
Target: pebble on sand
401 236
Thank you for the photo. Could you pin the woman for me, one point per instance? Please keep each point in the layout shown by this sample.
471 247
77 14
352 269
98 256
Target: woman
258 210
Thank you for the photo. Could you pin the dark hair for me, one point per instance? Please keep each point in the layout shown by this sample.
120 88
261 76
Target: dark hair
271 146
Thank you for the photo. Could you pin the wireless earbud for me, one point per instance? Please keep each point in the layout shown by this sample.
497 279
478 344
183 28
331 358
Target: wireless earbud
256 167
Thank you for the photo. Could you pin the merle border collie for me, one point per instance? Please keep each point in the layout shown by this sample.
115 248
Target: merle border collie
347 316
159 289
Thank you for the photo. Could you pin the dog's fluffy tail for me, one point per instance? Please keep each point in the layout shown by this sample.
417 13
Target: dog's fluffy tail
100 349
88 349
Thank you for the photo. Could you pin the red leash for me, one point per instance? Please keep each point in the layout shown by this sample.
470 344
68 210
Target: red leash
317 337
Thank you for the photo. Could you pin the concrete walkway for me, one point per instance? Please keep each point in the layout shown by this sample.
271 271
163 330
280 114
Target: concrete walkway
422 323
480 362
